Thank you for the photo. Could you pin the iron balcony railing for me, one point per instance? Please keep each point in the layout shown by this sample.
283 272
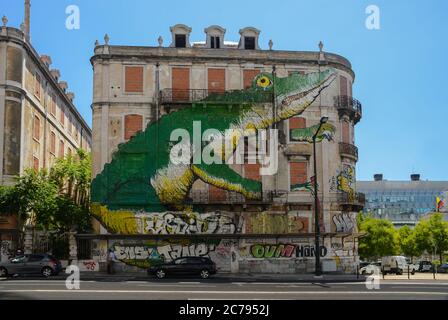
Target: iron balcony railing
226 197
175 96
348 149
351 199
349 105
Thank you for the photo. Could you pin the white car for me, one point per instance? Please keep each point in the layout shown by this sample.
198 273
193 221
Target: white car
373 268
397 265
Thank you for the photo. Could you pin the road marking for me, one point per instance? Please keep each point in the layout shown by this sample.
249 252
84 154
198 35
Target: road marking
176 285
235 292
189 282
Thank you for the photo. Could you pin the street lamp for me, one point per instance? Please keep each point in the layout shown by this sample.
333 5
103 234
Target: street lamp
318 270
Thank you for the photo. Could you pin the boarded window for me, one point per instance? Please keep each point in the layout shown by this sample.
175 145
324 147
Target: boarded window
181 84
53 143
216 194
53 104
297 123
37 86
61 149
133 123
62 116
343 86
216 80
36 128
248 77
35 164
346 132
252 171
134 79
298 173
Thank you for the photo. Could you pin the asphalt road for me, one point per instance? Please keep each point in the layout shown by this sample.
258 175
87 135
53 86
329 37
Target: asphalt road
175 289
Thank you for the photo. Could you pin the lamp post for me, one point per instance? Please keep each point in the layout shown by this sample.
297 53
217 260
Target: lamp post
318 271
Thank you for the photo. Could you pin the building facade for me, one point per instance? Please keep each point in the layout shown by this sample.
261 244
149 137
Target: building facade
38 120
244 220
402 202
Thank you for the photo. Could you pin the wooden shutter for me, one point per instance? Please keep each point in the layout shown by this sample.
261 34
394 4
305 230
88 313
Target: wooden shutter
298 173
297 123
134 79
216 194
35 164
252 171
36 128
181 84
52 142
61 149
216 80
133 123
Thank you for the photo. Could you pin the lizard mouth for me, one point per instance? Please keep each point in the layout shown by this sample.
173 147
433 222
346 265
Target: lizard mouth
287 101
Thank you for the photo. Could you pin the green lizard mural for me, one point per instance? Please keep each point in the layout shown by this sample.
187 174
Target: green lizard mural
141 176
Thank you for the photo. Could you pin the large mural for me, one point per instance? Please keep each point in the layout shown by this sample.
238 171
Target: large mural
142 191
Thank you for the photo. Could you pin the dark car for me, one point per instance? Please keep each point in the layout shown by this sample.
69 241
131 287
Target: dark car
443 268
43 264
200 266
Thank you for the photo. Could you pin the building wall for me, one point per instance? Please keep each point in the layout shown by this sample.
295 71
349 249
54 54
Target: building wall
225 70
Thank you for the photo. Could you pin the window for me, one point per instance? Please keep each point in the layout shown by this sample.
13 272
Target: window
180 40
35 164
37 87
62 116
343 86
296 123
249 43
346 132
133 123
69 152
134 79
53 143
36 128
248 77
61 149
215 42
298 174
53 105
181 261
216 80
180 82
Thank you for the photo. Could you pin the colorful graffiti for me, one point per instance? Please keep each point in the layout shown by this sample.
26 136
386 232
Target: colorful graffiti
326 132
141 175
285 251
344 181
265 223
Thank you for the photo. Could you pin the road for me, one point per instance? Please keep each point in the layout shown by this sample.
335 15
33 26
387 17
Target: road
175 289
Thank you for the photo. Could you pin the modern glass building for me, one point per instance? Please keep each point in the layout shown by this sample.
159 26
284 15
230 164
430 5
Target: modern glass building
401 202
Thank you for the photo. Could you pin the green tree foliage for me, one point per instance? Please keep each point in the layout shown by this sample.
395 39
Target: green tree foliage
407 242
380 238
55 201
431 235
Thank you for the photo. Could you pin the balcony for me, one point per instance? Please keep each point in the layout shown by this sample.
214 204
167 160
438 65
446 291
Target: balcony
178 97
348 106
348 150
352 203
234 198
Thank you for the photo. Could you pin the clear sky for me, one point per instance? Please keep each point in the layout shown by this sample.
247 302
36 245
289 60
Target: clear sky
401 69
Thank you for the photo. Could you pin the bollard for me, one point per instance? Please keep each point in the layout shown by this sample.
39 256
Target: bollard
382 271
409 276
357 272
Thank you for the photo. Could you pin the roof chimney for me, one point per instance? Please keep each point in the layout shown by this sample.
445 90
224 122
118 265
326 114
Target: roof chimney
46 60
378 177
56 74
415 177
63 85
70 96
27 19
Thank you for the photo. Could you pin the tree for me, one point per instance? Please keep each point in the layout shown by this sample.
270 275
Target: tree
407 242
380 239
432 235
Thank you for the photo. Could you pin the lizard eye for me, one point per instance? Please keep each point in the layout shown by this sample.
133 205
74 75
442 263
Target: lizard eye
264 82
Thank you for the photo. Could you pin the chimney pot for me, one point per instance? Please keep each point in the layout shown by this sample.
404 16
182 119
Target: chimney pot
63 85
46 60
55 73
70 96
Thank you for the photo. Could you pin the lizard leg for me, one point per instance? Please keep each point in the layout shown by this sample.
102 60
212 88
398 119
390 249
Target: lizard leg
222 176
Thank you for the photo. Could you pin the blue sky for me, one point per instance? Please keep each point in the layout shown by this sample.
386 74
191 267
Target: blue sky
401 69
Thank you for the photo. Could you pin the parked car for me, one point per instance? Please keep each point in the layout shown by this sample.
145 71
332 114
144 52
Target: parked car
425 266
443 268
43 264
201 266
397 265
372 268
